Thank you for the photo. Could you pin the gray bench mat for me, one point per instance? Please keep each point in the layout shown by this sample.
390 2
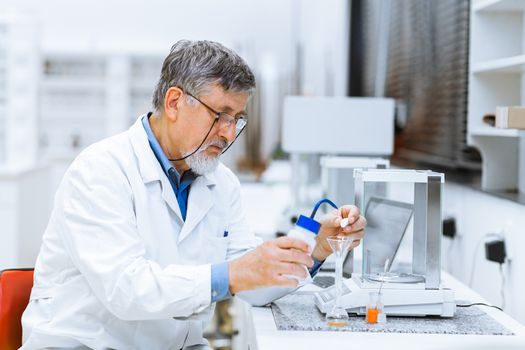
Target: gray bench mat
298 312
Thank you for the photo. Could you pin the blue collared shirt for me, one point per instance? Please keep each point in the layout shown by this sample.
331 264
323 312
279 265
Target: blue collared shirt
219 272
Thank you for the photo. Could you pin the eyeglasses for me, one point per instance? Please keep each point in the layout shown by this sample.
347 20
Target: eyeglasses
224 119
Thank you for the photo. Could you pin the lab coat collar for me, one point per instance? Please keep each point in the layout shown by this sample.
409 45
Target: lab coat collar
150 168
200 199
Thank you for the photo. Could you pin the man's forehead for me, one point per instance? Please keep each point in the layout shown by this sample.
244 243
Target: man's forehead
229 101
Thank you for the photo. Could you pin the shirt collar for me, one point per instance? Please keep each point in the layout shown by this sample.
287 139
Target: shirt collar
161 156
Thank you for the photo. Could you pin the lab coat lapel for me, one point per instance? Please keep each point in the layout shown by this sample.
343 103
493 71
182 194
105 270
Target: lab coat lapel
149 166
169 196
200 202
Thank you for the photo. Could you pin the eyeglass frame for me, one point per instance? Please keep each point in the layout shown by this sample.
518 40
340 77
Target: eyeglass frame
218 115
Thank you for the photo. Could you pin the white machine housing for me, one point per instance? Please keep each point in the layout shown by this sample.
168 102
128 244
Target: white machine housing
414 301
357 126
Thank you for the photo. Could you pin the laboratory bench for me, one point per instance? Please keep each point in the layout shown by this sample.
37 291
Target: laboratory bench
261 333
258 330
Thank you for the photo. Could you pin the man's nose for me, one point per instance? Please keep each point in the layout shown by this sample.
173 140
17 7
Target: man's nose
227 132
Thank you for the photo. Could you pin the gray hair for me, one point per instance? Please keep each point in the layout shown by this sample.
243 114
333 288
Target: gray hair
196 65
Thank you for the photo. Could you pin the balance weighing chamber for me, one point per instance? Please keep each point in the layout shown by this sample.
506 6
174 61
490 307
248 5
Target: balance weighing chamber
401 249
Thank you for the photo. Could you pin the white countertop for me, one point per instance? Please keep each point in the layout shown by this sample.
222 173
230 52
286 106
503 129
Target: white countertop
264 335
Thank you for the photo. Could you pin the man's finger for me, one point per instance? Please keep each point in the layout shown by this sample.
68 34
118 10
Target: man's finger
289 242
286 281
296 256
358 225
292 269
349 211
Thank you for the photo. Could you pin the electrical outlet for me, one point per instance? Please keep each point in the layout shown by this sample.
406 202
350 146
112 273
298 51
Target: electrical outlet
495 251
449 227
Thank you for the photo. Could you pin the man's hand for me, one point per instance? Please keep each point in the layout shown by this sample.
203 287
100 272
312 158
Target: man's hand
266 265
331 226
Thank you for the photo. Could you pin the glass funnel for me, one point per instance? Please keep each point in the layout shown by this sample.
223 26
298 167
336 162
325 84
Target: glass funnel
338 317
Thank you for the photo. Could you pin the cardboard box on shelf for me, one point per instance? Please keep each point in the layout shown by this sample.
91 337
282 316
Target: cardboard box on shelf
512 117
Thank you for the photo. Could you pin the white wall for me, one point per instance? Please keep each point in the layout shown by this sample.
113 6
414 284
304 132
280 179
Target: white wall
157 23
257 28
477 214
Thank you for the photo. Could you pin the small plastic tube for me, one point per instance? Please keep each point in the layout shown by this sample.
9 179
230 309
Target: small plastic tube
371 315
374 309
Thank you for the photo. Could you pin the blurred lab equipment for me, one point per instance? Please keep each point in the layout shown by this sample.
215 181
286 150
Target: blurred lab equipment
405 229
338 125
344 126
337 175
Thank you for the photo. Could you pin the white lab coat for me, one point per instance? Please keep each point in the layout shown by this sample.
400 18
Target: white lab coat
118 267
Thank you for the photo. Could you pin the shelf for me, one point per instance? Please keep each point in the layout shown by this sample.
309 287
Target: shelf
73 83
499 5
492 131
497 68
514 64
92 118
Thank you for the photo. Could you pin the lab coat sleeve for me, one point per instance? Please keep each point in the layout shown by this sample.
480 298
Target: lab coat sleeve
99 229
242 239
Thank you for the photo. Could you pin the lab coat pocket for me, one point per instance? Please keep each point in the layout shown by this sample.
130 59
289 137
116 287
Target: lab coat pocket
217 247
38 312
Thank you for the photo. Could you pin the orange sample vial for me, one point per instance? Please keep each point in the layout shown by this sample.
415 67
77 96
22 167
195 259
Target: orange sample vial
371 315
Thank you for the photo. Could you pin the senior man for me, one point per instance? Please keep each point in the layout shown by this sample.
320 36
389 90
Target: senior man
148 230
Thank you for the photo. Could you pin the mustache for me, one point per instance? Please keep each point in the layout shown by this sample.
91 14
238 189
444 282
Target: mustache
221 143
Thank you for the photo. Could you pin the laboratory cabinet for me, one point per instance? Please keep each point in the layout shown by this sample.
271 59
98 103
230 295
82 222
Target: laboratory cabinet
88 95
72 101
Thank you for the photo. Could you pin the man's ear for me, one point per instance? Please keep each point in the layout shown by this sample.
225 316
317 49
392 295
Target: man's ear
172 100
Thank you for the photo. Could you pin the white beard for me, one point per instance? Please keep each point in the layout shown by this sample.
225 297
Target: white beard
202 164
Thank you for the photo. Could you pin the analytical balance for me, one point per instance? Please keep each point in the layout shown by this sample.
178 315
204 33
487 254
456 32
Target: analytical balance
401 249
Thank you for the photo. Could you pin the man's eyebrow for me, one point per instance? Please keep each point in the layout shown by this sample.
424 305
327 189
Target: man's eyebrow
229 110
